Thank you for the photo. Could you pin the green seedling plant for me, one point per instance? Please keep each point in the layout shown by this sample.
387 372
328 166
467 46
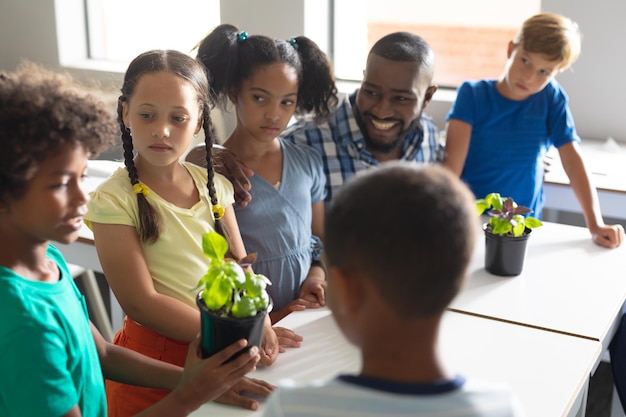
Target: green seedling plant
505 216
227 289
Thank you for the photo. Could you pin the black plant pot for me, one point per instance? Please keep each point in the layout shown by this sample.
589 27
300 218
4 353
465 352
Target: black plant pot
218 332
504 255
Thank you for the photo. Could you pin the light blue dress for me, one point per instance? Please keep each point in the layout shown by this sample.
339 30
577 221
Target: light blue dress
276 224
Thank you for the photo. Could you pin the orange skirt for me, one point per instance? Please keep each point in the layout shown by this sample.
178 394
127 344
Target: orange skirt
128 400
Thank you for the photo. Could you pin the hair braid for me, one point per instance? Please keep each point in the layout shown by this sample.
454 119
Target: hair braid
220 227
149 222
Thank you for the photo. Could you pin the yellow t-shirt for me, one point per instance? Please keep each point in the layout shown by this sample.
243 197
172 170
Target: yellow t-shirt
176 260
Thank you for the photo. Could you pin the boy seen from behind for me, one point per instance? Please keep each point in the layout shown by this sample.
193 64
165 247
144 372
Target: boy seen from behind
393 268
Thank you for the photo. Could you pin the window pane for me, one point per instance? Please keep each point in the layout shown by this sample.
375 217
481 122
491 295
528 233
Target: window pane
119 30
469 37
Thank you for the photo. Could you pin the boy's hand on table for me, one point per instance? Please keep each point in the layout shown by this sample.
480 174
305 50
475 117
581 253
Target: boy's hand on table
609 236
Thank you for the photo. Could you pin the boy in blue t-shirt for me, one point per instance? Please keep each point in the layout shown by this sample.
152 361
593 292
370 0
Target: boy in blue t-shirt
499 130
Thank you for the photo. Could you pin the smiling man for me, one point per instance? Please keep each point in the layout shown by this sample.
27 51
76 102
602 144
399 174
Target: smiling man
383 119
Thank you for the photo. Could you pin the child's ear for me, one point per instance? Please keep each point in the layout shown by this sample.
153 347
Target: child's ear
347 288
232 95
510 49
199 126
125 114
429 95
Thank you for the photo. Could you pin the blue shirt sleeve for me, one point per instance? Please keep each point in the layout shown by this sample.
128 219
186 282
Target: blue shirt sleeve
463 108
561 129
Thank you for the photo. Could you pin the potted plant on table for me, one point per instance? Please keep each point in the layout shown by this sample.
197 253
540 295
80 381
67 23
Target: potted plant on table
506 233
233 302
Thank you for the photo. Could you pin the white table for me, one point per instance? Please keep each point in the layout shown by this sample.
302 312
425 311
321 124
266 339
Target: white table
568 285
606 162
548 370
555 319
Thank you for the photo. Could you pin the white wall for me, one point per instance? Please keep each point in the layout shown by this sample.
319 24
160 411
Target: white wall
596 85
280 18
27 30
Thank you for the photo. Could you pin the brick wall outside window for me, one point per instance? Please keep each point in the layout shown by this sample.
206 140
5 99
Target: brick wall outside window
461 53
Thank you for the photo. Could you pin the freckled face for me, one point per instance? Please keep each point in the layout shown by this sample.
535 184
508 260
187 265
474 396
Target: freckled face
55 201
266 101
525 74
163 114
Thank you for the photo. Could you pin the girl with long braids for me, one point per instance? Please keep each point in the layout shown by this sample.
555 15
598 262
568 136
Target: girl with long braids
149 217
268 81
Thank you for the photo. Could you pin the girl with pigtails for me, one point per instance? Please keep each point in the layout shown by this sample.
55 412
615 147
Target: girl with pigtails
149 217
268 81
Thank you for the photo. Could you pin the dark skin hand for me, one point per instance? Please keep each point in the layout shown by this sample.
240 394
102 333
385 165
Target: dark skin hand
299 304
227 164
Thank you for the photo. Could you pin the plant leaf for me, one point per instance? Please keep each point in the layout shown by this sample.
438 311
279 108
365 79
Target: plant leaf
482 205
532 222
494 200
505 216
214 245
255 285
263 301
521 210
518 225
501 226
236 273
218 293
227 285
508 205
245 307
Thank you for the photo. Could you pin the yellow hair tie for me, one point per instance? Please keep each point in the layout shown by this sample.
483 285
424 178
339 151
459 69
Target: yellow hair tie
218 212
141 188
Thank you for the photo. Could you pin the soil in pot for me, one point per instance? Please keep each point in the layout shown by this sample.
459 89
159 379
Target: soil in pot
218 332
505 255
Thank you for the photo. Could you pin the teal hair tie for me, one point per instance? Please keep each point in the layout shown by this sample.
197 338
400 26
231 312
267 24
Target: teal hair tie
243 35
293 43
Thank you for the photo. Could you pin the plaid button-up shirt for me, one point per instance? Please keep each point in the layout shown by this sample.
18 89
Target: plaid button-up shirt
341 144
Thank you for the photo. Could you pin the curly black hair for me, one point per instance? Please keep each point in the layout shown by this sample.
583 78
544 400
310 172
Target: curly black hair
40 112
